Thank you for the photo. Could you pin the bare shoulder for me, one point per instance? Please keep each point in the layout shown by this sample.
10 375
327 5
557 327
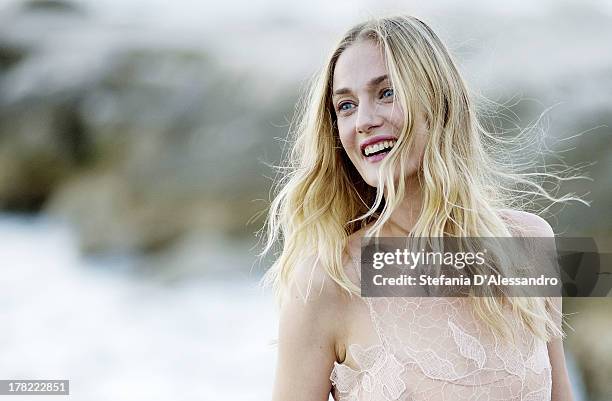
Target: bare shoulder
310 324
315 303
315 307
531 225
312 283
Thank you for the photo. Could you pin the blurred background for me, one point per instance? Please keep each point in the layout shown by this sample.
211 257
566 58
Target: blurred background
135 143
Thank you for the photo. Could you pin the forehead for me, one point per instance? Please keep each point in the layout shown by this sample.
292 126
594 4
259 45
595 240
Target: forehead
358 64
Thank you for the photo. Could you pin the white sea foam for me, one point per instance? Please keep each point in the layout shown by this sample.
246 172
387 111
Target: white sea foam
119 336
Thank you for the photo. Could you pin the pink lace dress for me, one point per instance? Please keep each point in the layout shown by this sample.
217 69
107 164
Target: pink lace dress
435 349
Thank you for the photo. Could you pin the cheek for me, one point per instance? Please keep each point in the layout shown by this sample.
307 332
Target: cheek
396 117
346 138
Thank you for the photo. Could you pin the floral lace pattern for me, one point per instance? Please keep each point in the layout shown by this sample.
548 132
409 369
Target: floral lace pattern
434 349
379 374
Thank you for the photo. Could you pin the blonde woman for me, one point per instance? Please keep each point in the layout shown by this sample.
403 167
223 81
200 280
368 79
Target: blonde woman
388 144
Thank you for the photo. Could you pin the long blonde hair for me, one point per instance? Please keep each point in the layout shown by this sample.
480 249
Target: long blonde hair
321 199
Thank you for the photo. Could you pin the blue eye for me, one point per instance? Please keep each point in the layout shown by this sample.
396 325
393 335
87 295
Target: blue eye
387 93
342 106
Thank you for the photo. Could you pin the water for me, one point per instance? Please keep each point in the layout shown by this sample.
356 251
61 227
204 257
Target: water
120 336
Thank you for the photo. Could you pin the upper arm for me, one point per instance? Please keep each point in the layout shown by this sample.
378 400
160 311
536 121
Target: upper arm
307 338
561 387
535 226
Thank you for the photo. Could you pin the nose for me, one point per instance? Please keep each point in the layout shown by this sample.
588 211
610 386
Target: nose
367 118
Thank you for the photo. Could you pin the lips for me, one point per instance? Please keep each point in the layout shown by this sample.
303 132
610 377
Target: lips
377 157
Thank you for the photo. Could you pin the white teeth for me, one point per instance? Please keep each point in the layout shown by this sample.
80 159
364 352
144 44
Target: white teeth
378 147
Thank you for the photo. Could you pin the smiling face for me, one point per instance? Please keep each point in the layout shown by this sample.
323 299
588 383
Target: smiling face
369 119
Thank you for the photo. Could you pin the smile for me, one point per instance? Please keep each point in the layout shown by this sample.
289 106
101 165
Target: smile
379 147
375 152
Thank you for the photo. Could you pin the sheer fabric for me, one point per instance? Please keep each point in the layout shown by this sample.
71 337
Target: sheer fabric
435 349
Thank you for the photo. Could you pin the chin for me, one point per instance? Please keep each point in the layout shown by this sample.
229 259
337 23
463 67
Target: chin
372 180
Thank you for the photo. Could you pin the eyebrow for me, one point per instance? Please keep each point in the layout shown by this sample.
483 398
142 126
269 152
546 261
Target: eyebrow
373 82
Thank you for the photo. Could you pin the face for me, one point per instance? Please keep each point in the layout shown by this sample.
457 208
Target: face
369 118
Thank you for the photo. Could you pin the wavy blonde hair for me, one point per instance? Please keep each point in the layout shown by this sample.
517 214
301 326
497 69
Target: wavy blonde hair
320 198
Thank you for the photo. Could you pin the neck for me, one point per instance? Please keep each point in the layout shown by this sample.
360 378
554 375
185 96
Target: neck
404 217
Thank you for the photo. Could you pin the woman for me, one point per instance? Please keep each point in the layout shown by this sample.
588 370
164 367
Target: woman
388 144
